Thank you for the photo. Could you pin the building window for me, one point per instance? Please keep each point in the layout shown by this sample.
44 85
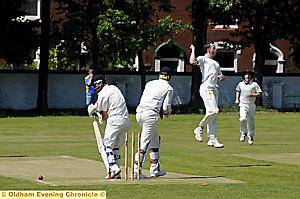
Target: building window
32 9
226 60
227 55
170 54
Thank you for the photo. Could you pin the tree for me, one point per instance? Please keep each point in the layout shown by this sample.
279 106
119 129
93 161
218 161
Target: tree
261 23
77 23
199 22
42 102
292 29
18 38
130 28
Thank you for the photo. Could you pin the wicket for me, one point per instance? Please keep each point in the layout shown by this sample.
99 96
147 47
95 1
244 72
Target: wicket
133 137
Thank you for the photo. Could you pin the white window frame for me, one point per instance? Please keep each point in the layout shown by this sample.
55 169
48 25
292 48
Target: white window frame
180 63
235 59
32 17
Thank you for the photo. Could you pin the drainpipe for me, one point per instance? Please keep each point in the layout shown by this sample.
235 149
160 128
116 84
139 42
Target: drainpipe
280 61
253 60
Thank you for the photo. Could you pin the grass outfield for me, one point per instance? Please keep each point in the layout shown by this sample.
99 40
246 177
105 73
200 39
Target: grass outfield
268 168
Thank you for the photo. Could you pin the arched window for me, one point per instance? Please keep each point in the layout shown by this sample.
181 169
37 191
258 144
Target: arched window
170 54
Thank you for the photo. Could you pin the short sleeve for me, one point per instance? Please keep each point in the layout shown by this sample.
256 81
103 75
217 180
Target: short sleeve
238 87
102 103
86 80
168 100
200 60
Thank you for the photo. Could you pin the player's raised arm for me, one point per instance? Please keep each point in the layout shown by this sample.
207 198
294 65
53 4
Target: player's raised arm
193 60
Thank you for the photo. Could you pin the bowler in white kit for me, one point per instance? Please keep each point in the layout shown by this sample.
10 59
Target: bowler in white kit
211 74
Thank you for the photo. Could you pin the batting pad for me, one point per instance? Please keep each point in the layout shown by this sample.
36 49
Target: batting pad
65 170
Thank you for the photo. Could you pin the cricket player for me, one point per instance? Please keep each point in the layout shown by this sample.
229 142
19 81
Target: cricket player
155 103
246 93
111 104
211 74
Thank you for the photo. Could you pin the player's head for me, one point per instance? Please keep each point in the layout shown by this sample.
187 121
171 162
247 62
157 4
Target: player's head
91 72
98 81
165 73
248 75
211 49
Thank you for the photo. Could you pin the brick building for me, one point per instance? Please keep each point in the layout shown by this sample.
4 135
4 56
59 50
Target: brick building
176 52
236 60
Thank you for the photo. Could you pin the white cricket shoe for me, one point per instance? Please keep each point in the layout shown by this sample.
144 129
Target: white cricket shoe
198 134
160 173
116 173
243 137
108 176
250 140
215 143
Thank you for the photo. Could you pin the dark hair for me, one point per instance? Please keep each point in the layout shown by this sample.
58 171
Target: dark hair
165 71
248 72
209 45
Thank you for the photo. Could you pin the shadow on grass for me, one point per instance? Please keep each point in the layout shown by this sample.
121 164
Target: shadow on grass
13 156
246 165
195 177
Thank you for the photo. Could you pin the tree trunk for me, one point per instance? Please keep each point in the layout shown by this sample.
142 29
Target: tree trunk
259 46
142 71
42 102
258 69
199 20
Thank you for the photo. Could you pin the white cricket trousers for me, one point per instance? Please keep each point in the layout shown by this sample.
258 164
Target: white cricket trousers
210 99
148 122
149 140
247 123
115 131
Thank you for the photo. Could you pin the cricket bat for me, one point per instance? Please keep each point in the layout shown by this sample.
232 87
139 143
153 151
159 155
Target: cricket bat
100 143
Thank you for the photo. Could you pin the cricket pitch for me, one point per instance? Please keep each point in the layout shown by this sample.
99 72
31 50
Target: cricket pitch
66 170
286 158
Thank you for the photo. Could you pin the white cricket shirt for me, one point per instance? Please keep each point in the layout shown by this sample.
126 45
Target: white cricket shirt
111 99
246 89
156 96
210 70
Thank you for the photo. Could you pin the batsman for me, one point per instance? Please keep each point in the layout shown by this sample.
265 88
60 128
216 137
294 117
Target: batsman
155 103
112 107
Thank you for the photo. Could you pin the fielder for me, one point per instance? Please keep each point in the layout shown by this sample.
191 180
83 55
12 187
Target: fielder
246 93
111 104
211 73
155 103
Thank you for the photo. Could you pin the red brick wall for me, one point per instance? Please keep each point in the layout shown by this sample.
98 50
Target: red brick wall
182 12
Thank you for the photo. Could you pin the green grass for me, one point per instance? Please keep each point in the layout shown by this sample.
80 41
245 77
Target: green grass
73 136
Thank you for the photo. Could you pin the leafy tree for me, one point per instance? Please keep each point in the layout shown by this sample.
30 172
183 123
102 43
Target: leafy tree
261 23
18 38
292 29
131 27
78 23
